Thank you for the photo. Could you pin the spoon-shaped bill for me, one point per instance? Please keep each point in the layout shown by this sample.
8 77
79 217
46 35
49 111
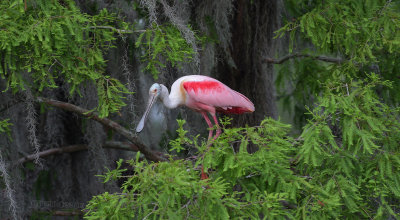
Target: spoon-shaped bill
140 126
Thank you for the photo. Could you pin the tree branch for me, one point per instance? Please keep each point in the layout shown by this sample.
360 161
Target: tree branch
294 55
148 153
78 147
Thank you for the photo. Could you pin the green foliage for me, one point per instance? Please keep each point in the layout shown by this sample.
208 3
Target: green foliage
365 35
350 148
176 145
42 41
113 174
45 42
356 29
173 190
163 41
110 92
349 144
5 127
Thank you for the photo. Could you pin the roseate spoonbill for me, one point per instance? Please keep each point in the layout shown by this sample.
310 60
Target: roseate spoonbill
200 93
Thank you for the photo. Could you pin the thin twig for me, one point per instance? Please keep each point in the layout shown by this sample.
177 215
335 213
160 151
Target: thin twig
295 55
369 216
148 153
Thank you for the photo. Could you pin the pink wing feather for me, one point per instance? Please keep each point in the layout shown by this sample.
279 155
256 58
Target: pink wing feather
215 94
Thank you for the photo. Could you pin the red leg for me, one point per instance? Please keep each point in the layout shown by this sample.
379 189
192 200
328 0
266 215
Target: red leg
209 124
216 123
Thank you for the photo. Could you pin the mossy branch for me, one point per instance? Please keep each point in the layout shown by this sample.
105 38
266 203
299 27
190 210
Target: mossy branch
149 154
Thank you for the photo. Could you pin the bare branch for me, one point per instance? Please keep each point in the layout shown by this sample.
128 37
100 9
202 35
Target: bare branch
295 55
148 153
78 147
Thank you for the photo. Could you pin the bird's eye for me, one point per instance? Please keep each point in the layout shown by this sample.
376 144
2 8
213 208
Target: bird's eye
155 90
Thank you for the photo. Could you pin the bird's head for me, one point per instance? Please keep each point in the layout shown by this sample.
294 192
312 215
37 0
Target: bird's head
155 90
154 93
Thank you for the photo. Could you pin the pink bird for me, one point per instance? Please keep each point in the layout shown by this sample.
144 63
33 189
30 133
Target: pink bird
202 94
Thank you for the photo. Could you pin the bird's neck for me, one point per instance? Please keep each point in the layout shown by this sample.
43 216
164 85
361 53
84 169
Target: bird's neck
170 101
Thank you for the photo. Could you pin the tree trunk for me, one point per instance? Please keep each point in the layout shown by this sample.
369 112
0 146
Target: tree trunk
252 29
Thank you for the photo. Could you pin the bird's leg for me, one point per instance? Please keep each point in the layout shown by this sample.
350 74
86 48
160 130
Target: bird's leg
209 124
204 175
218 127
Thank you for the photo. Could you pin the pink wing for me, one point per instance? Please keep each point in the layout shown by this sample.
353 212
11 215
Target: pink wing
213 93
